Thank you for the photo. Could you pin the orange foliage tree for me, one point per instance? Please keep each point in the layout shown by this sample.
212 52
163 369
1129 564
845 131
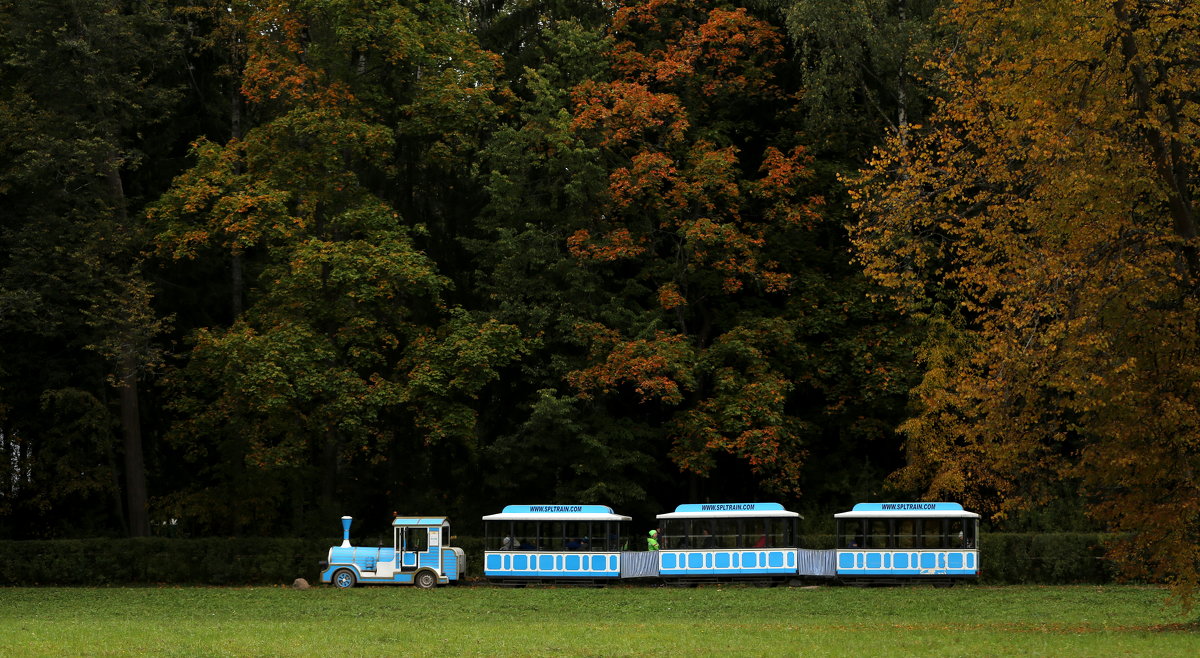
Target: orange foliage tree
699 211
1043 225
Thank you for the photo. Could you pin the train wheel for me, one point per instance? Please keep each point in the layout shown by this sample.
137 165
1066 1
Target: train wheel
344 579
425 580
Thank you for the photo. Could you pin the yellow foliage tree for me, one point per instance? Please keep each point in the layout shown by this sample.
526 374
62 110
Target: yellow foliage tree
1043 225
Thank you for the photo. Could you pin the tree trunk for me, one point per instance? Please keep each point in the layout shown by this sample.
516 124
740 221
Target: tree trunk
236 285
135 468
236 259
901 93
131 422
1165 152
329 476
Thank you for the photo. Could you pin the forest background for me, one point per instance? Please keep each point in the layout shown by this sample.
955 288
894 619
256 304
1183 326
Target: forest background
266 263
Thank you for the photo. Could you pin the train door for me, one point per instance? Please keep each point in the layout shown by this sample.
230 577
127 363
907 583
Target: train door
411 544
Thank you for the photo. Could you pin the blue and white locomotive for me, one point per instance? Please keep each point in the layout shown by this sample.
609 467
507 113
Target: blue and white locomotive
420 556
890 542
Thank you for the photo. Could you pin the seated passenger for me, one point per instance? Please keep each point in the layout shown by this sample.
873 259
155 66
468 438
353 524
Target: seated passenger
573 544
508 543
525 546
706 540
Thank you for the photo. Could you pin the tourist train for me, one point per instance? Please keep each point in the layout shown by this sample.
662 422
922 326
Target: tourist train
876 543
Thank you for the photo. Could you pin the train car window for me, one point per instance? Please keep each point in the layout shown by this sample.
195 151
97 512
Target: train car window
785 536
674 534
777 533
607 536
956 537
727 533
970 532
850 533
619 536
704 533
906 533
879 533
497 532
932 531
755 534
551 535
575 534
525 534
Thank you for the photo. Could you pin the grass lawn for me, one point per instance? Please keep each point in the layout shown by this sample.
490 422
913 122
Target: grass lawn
623 620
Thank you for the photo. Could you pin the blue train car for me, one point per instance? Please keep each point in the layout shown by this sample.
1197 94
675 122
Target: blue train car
728 541
420 556
890 542
575 543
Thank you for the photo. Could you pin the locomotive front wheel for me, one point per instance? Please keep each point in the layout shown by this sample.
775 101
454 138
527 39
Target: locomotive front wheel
344 579
425 580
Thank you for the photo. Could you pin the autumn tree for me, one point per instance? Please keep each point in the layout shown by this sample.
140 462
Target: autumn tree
659 228
1043 227
347 352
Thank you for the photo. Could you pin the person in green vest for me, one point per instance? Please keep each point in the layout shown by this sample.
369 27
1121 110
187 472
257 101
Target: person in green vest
652 541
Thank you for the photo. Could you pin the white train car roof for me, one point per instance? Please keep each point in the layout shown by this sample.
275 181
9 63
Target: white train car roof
557 513
906 510
728 510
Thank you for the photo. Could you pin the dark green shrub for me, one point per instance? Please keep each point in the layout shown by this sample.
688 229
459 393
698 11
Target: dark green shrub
1048 559
155 560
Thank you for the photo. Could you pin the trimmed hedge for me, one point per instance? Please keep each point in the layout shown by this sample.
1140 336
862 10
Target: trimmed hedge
1007 559
1045 559
158 560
